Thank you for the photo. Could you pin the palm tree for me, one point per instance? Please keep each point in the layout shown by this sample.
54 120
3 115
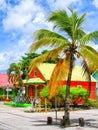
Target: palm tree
14 74
15 77
70 42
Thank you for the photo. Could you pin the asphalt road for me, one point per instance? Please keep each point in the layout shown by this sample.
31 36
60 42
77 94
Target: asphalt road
12 118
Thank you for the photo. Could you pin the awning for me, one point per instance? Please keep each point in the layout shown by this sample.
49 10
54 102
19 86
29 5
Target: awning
33 81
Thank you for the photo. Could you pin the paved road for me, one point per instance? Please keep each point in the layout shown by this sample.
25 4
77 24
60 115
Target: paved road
16 119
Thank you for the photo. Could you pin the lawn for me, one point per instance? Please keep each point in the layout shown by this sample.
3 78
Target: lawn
17 104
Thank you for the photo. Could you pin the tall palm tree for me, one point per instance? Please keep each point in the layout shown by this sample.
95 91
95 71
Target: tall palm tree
70 42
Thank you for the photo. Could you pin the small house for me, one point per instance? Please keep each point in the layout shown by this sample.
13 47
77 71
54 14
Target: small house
40 76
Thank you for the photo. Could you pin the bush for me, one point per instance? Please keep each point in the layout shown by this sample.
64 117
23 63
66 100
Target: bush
75 93
78 95
91 104
2 97
44 92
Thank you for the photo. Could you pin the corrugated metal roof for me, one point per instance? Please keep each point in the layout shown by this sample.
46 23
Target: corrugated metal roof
4 81
77 75
46 70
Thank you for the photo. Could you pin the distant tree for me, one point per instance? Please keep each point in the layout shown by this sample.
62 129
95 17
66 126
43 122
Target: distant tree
28 57
14 74
25 61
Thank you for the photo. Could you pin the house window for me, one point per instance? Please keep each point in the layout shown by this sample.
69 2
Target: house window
35 73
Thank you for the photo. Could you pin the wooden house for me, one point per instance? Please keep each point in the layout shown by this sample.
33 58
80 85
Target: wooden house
40 76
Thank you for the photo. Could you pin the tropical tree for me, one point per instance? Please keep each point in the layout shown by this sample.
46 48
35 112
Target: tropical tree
25 61
27 58
14 74
15 77
70 42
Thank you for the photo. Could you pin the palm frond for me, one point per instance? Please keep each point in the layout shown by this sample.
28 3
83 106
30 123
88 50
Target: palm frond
43 33
59 16
81 20
77 23
87 74
51 42
91 37
52 54
61 21
79 33
89 54
59 74
91 57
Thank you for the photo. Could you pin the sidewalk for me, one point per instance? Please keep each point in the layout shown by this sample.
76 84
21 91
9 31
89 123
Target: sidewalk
16 119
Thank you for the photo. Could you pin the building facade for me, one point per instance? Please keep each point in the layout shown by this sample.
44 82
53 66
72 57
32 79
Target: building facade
40 76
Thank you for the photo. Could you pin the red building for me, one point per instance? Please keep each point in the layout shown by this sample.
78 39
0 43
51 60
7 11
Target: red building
5 86
40 75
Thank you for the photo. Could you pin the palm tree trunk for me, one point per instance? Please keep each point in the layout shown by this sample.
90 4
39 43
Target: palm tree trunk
67 99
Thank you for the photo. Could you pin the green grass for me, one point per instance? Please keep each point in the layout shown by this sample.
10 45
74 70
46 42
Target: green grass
17 104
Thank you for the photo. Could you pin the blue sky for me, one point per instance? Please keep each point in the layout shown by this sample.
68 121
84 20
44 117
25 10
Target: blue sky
20 18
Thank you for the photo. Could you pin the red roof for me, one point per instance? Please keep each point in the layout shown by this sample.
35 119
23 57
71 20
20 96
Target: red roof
4 81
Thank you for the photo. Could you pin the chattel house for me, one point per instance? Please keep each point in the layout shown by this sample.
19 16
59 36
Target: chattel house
40 75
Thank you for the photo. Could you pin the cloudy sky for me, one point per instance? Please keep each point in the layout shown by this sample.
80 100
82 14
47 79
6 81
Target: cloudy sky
20 18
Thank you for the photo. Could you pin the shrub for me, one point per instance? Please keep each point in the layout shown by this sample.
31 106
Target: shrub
91 104
44 92
75 92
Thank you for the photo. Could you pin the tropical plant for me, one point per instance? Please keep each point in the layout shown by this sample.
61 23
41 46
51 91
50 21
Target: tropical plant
15 77
14 74
71 42
75 92
25 61
27 58
44 92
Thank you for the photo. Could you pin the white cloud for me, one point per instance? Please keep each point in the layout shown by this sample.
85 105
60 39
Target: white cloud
13 54
61 4
25 19
19 15
39 18
22 19
2 4
4 58
95 3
